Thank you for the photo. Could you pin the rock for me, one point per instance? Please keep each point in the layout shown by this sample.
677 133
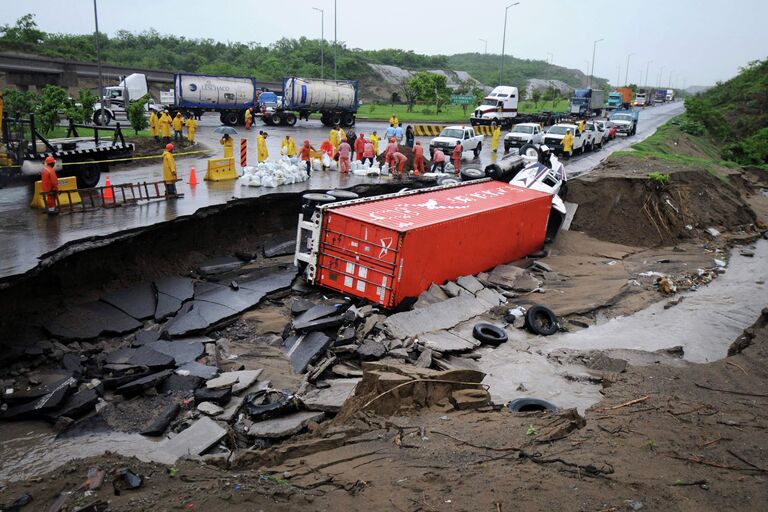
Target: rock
425 359
433 295
217 396
332 398
76 405
281 245
238 381
505 275
452 289
526 283
195 440
161 422
491 297
138 301
209 408
219 265
371 350
444 315
182 351
195 369
301 305
470 283
307 348
72 364
347 335
137 386
398 353
447 342
285 426
465 399
714 233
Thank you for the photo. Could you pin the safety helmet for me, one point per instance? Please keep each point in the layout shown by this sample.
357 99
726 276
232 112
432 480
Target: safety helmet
169 147
50 160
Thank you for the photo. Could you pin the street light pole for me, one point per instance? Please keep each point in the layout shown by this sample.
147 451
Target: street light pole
486 44
618 76
504 39
98 60
661 71
322 41
551 57
591 73
626 74
647 67
335 41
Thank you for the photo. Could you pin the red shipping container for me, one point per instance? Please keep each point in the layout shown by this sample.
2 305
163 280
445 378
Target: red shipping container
396 246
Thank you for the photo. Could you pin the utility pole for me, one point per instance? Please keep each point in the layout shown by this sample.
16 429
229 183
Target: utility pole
591 73
660 73
551 57
322 41
647 67
486 44
335 42
504 39
626 73
618 76
98 61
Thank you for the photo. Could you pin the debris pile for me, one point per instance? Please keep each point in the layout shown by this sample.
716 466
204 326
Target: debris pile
285 171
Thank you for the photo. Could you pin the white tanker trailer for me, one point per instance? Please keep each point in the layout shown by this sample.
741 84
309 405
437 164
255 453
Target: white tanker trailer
335 100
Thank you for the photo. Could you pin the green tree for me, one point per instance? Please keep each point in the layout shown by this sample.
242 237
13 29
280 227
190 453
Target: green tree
431 88
81 109
136 114
53 101
536 97
409 93
19 103
469 88
24 34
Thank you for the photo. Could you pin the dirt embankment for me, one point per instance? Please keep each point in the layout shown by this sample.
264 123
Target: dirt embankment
621 204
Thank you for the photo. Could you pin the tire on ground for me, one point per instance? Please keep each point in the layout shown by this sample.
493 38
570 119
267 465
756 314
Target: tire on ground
489 334
447 180
470 174
529 147
541 320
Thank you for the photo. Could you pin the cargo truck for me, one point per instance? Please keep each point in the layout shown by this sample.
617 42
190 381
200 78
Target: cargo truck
660 96
384 248
644 97
587 102
670 95
499 108
620 98
336 100
625 120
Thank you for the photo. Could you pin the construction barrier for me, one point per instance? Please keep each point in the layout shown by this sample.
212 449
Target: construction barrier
65 198
428 130
243 152
220 169
484 129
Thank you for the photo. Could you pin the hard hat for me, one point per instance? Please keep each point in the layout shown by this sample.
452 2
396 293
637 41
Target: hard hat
50 160
169 147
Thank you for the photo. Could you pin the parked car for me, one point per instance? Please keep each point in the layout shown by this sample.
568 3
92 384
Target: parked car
452 135
554 138
601 135
522 134
609 127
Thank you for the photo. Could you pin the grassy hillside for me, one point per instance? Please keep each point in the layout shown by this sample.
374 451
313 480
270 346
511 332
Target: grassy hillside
150 49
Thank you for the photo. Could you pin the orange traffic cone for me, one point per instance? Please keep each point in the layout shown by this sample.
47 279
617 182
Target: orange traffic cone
109 193
192 176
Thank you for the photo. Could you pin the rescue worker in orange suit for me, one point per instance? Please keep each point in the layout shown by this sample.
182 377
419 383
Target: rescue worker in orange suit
169 171
154 125
391 150
327 148
228 144
418 159
359 146
305 156
399 160
456 157
49 184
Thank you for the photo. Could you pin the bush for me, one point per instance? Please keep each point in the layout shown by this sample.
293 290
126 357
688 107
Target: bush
659 177
427 111
19 103
136 114
750 151
53 101
691 127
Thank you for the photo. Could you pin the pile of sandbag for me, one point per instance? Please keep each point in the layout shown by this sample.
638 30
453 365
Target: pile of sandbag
274 174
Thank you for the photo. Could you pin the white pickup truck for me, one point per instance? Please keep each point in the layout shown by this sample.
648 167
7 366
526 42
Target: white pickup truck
452 135
581 141
522 134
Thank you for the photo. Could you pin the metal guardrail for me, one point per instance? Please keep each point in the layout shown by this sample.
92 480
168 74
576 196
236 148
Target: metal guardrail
119 195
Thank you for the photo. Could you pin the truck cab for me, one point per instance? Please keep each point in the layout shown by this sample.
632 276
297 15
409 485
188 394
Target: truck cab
498 108
625 121
117 97
614 99
522 134
581 141
452 135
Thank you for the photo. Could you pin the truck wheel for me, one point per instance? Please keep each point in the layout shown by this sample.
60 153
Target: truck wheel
290 120
88 175
349 120
470 174
478 149
529 150
230 118
335 119
276 119
98 120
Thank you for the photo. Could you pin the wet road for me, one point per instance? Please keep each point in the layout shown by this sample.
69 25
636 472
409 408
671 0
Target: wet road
26 235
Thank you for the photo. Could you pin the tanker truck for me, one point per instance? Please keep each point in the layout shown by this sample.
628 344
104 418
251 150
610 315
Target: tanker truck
230 96
335 100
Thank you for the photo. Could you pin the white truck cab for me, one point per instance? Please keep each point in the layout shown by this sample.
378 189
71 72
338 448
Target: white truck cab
498 108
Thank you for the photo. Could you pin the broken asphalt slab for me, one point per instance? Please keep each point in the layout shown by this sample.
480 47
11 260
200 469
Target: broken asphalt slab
44 404
285 426
220 265
238 380
88 321
281 245
434 317
309 317
141 356
195 440
181 351
446 342
332 398
195 369
172 292
138 301
139 385
306 348
215 303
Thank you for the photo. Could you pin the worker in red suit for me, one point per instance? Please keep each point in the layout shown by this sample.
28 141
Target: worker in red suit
456 157
50 184
418 159
399 159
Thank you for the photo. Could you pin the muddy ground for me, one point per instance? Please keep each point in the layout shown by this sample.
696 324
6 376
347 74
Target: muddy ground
665 437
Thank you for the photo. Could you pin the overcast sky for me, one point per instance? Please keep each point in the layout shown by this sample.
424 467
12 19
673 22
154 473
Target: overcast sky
699 41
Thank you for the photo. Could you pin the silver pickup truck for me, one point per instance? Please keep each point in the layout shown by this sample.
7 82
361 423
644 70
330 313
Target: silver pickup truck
452 135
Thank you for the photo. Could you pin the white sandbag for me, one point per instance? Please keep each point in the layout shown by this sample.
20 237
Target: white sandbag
326 160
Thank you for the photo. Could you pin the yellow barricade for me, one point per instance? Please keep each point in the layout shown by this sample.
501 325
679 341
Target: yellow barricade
220 169
68 183
428 130
484 129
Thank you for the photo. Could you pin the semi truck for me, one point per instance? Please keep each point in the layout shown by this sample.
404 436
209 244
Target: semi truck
586 102
660 96
620 98
670 95
117 97
644 97
336 100
499 108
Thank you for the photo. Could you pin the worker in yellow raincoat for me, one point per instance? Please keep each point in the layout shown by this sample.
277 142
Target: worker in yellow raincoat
288 148
261 147
333 138
374 138
568 143
169 170
154 125
191 125
178 124
228 144
582 126
393 120
248 118
165 126
495 138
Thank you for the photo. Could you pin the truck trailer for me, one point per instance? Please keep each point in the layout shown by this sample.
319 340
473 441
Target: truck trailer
230 96
393 247
336 100
620 98
587 102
